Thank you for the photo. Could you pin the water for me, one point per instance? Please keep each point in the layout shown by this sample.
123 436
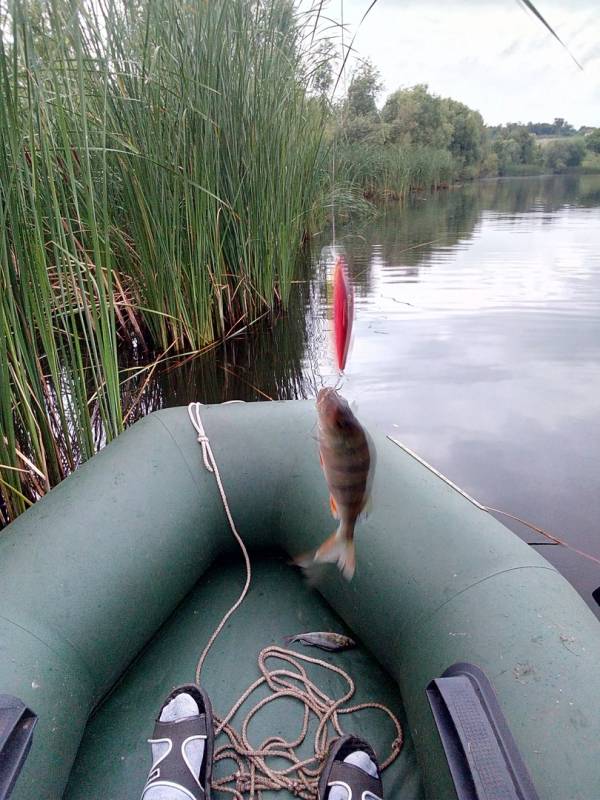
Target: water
476 343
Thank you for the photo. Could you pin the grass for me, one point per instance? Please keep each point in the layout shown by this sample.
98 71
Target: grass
160 167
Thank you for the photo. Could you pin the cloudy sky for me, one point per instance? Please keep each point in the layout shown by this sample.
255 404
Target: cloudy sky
491 54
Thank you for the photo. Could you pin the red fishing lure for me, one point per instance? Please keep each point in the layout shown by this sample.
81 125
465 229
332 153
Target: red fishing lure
343 312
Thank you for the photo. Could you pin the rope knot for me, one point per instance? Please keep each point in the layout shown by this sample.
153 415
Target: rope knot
202 438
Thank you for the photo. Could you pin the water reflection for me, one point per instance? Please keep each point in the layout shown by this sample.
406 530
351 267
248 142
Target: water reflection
493 372
404 241
268 361
436 224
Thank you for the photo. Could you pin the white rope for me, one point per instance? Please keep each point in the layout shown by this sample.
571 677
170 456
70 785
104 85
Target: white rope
211 466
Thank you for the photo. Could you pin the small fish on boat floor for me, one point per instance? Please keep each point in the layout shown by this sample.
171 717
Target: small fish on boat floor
324 640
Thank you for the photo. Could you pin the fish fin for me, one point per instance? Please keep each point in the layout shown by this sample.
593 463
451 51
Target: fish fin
333 507
367 507
312 571
338 550
289 639
321 457
304 560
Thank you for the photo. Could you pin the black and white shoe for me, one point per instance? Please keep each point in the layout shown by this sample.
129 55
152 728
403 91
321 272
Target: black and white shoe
172 769
358 784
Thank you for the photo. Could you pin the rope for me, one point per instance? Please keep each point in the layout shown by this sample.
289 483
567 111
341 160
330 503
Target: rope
211 466
299 776
253 773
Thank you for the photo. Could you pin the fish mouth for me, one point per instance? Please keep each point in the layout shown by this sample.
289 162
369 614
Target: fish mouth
327 402
332 408
325 395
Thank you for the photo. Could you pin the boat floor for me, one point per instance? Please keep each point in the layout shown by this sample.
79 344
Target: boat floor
114 755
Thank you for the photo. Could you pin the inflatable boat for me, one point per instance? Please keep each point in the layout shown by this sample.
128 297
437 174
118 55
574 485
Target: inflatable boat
111 585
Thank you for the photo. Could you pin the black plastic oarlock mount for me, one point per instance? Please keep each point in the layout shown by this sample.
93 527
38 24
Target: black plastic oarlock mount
16 731
482 754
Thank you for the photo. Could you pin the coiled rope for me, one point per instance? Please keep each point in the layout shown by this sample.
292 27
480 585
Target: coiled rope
253 774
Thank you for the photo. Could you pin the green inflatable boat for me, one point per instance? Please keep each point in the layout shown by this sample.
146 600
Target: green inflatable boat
112 584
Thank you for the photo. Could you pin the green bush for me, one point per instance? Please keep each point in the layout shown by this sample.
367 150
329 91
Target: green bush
561 154
592 141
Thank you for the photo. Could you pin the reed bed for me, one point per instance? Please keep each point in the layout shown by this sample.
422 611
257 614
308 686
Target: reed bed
386 171
161 164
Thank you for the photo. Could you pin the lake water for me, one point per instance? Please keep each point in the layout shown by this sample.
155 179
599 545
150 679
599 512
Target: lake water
476 343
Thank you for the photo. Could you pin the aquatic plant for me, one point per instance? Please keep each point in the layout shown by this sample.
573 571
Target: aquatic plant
384 171
160 165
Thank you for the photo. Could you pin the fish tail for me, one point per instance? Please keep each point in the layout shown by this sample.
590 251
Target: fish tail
339 549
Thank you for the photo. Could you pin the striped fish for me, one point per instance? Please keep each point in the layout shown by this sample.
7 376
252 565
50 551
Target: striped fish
348 467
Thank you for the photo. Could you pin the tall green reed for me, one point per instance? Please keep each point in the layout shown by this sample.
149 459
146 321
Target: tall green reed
160 165
390 171
57 332
217 156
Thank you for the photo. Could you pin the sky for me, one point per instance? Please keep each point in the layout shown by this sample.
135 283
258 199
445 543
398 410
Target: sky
492 55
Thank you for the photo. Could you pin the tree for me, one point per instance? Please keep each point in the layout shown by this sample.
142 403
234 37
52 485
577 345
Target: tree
527 145
559 155
592 141
513 145
507 152
416 117
322 69
466 139
365 129
363 90
562 127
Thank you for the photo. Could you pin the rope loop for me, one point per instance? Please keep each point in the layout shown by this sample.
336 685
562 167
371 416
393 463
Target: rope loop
254 774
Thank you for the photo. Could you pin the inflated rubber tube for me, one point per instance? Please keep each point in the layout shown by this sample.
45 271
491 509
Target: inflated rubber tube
89 574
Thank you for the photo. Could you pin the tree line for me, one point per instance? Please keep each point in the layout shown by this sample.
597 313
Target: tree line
414 124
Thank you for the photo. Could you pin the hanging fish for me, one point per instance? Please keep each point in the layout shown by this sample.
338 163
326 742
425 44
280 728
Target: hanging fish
325 640
348 466
343 312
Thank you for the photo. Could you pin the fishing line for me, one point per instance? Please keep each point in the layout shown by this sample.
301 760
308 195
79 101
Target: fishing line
334 148
551 536
329 254
491 510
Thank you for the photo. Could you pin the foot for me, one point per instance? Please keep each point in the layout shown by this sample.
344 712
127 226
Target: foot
351 772
182 748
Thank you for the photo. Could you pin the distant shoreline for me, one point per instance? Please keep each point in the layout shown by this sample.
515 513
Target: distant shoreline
571 171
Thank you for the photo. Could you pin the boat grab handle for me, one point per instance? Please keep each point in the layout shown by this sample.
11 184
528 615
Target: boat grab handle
482 755
16 731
